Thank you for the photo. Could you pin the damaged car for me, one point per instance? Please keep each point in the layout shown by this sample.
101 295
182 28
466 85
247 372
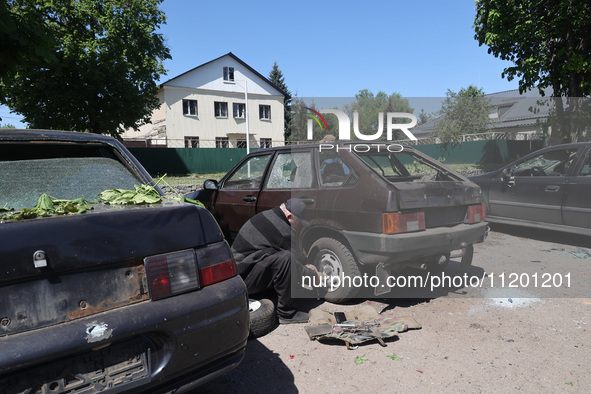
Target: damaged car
547 189
136 297
372 208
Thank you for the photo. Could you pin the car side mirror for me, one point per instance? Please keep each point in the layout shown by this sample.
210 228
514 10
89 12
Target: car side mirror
508 176
210 184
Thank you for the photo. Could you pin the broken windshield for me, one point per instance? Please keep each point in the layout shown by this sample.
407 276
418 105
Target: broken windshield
24 181
406 166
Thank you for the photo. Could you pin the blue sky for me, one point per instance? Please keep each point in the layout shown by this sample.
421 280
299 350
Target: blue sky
336 48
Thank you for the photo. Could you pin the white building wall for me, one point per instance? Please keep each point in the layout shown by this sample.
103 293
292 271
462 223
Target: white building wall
207 126
206 85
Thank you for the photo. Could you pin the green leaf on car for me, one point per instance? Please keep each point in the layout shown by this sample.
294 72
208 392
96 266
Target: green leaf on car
48 206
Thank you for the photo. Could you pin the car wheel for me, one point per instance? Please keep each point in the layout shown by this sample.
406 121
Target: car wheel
467 257
262 316
336 261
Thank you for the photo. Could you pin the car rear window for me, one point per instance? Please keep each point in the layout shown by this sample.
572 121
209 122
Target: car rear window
406 166
68 177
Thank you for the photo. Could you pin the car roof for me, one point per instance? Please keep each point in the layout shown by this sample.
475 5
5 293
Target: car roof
52 135
569 145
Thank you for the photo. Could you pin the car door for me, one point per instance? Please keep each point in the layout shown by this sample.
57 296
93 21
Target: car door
576 210
538 190
290 175
238 194
333 206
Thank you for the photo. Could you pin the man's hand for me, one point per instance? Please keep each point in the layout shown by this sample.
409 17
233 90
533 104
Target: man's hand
313 268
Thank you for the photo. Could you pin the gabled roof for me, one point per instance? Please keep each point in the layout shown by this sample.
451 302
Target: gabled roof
239 61
518 110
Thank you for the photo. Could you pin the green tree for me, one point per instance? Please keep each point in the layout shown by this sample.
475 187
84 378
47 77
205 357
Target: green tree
301 114
549 43
23 39
423 117
465 112
276 76
369 106
7 126
107 56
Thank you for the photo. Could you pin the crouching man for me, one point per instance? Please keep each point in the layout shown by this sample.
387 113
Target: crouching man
262 250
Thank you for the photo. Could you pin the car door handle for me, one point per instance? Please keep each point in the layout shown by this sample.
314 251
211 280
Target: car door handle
552 188
308 201
249 199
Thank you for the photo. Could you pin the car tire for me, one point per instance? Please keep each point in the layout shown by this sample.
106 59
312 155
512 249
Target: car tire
333 258
262 316
467 257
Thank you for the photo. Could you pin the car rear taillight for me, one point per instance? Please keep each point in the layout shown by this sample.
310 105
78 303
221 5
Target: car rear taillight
216 263
178 272
171 273
475 214
396 222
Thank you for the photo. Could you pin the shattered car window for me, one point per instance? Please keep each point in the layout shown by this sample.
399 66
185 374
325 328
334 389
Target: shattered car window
406 166
24 181
553 163
291 170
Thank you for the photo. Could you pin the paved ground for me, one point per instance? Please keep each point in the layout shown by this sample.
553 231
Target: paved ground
484 339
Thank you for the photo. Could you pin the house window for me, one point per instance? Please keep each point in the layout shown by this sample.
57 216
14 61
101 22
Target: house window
239 110
228 73
190 107
221 142
191 142
502 110
221 109
265 142
241 144
265 112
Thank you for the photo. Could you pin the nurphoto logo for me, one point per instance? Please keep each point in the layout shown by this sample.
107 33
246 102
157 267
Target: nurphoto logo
345 124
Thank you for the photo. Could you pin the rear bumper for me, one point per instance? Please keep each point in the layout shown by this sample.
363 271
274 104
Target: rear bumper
202 334
373 248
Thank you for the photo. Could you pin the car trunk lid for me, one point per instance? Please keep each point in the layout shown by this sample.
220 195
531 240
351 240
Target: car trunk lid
444 203
93 261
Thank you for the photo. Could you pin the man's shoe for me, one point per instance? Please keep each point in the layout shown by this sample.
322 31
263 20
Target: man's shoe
298 317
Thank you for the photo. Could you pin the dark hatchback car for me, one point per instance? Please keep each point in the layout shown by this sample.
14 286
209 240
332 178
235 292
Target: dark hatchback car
548 188
371 207
134 298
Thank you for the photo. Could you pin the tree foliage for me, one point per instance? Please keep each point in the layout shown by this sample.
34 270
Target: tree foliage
369 106
549 43
23 39
301 114
107 56
276 76
465 112
423 117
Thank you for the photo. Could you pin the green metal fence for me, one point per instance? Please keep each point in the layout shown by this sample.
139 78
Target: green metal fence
159 161
480 152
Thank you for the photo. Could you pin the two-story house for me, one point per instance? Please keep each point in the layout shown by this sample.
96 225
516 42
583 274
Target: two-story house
218 104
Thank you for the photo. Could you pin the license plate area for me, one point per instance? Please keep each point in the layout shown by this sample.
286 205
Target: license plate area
117 367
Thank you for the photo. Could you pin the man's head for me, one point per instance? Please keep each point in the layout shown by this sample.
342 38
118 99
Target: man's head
295 211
